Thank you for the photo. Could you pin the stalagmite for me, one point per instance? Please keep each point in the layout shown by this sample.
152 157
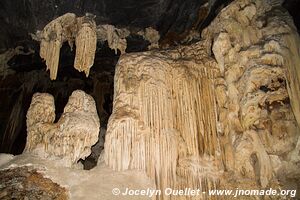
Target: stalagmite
86 43
71 138
164 118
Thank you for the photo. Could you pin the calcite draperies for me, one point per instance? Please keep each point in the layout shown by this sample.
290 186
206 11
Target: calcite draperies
164 118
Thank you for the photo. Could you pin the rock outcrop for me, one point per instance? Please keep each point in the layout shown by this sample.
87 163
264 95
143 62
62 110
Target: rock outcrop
71 138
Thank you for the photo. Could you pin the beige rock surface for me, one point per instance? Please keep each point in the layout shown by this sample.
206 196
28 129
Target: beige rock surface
190 123
78 184
259 95
53 35
71 138
164 118
86 44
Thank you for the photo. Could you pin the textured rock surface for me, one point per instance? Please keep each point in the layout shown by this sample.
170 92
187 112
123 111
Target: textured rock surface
164 118
69 28
188 123
152 36
26 183
50 177
52 37
116 38
86 43
256 46
71 138
84 32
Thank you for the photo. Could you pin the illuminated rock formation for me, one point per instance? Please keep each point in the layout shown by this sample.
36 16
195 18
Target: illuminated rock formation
86 43
164 118
116 38
190 123
71 138
85 33
53 35
82 30
257 49
152 36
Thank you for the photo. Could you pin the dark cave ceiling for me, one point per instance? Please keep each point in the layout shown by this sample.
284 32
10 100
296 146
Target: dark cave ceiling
18 18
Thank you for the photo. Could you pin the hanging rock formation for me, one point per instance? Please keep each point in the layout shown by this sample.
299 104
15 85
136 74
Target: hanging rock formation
52 37
69 28
164 118
71 138
116 38
256 46
84 32
152 36
86 43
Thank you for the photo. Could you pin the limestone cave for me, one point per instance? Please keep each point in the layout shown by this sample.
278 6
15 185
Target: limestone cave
154 99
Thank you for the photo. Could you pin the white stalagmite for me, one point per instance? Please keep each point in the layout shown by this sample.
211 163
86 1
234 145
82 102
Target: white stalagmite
71 138
164 118
86 43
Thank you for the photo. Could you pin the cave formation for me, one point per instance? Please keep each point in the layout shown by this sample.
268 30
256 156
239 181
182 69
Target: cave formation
97 95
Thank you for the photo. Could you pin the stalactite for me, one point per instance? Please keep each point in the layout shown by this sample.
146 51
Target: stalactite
86 43
71 138
116 38
152 36
164 118
53 35
85 33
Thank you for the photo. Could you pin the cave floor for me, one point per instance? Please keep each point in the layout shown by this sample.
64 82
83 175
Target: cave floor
96 183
